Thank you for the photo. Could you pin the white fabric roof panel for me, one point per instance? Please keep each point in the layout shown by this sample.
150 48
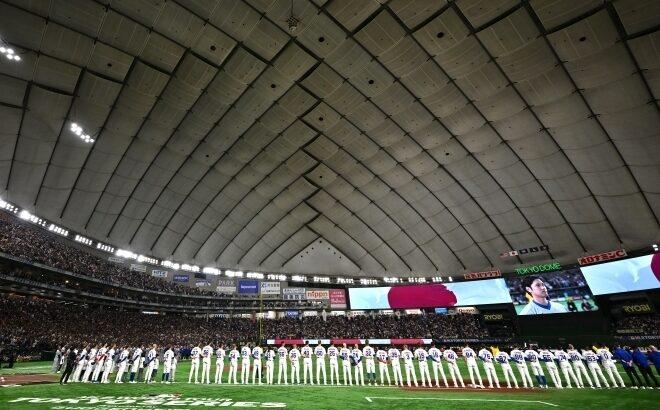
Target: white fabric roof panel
474 127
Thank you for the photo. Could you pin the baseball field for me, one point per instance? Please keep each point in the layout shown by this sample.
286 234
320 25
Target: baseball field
31 386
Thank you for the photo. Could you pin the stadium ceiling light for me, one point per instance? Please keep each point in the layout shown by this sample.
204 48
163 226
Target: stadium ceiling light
451 279
211 270
298 278
77 129
255 275
9 53
655 247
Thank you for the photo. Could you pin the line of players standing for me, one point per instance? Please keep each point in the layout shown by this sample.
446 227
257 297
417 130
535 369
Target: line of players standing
95 364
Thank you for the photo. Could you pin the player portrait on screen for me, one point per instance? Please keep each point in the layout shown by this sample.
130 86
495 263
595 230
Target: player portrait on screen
563 291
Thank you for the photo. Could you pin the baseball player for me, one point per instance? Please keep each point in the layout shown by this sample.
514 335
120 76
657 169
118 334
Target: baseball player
369 356
175 361
345 355
91 361
565 366
395 355
82 362
270 365
436 361
381 356
471 360
135 363
407 357
109 363
592 362
518 357
606 359
207 356
219 363
257 352
100 361
487 360
424 374
503 359
319 353
282 355
306 353
533 358
333 354
122 362
549 359
578 366
246 352
450 356
150 363
356 355
194 363
294 356
233 364
168 357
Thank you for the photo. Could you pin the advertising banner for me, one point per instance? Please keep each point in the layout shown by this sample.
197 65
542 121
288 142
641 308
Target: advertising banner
318 294
483 275
485 292
293 293
159 273
270 288
291 313
638 308
202 283
626 275
248 286
138 268
226 286
337 298
493 317
181 278
605 256
116 259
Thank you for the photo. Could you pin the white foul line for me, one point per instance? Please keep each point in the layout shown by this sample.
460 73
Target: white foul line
370 400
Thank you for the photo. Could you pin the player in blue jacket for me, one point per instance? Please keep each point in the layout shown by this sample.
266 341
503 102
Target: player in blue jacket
642 361
626 359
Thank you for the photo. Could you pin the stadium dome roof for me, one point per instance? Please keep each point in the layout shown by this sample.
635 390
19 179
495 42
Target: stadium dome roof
406 135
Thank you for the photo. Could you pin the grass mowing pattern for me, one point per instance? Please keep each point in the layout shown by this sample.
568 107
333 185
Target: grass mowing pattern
322 397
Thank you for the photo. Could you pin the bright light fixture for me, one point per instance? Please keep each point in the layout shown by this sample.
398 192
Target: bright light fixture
10 53
77 129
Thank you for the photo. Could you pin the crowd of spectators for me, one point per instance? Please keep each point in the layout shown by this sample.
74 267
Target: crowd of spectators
648 325
35 245
32 324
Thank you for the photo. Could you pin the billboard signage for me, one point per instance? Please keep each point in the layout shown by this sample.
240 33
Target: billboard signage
525 251
483 275
638 308
293 293
270 288
138 268
202 283
605 256
626 275
540 268
159 273
318 295
493 317
181 278
291 313
248 286
226 286
337 298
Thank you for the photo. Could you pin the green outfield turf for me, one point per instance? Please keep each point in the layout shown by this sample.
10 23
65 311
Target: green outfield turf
182 395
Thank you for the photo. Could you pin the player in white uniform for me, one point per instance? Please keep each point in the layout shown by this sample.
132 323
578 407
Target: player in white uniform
135 363
566 369
175 361
471 361
592 362
219 363
319 353
294 356
257 352
424 374
540 303
207 356
408 363
82 362
503 359
578 366
233 365
306 353
246 353
333 354
357 356
395 356
168 357
122 362
109 363
450 357
487 360
549 359
195 352
270 365
381 356
100 361
607 360
91 361
436 362
369 356
150 363
282 357
534 361
518 357
345 354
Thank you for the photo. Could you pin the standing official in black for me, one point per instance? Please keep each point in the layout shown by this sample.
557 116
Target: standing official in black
70 363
